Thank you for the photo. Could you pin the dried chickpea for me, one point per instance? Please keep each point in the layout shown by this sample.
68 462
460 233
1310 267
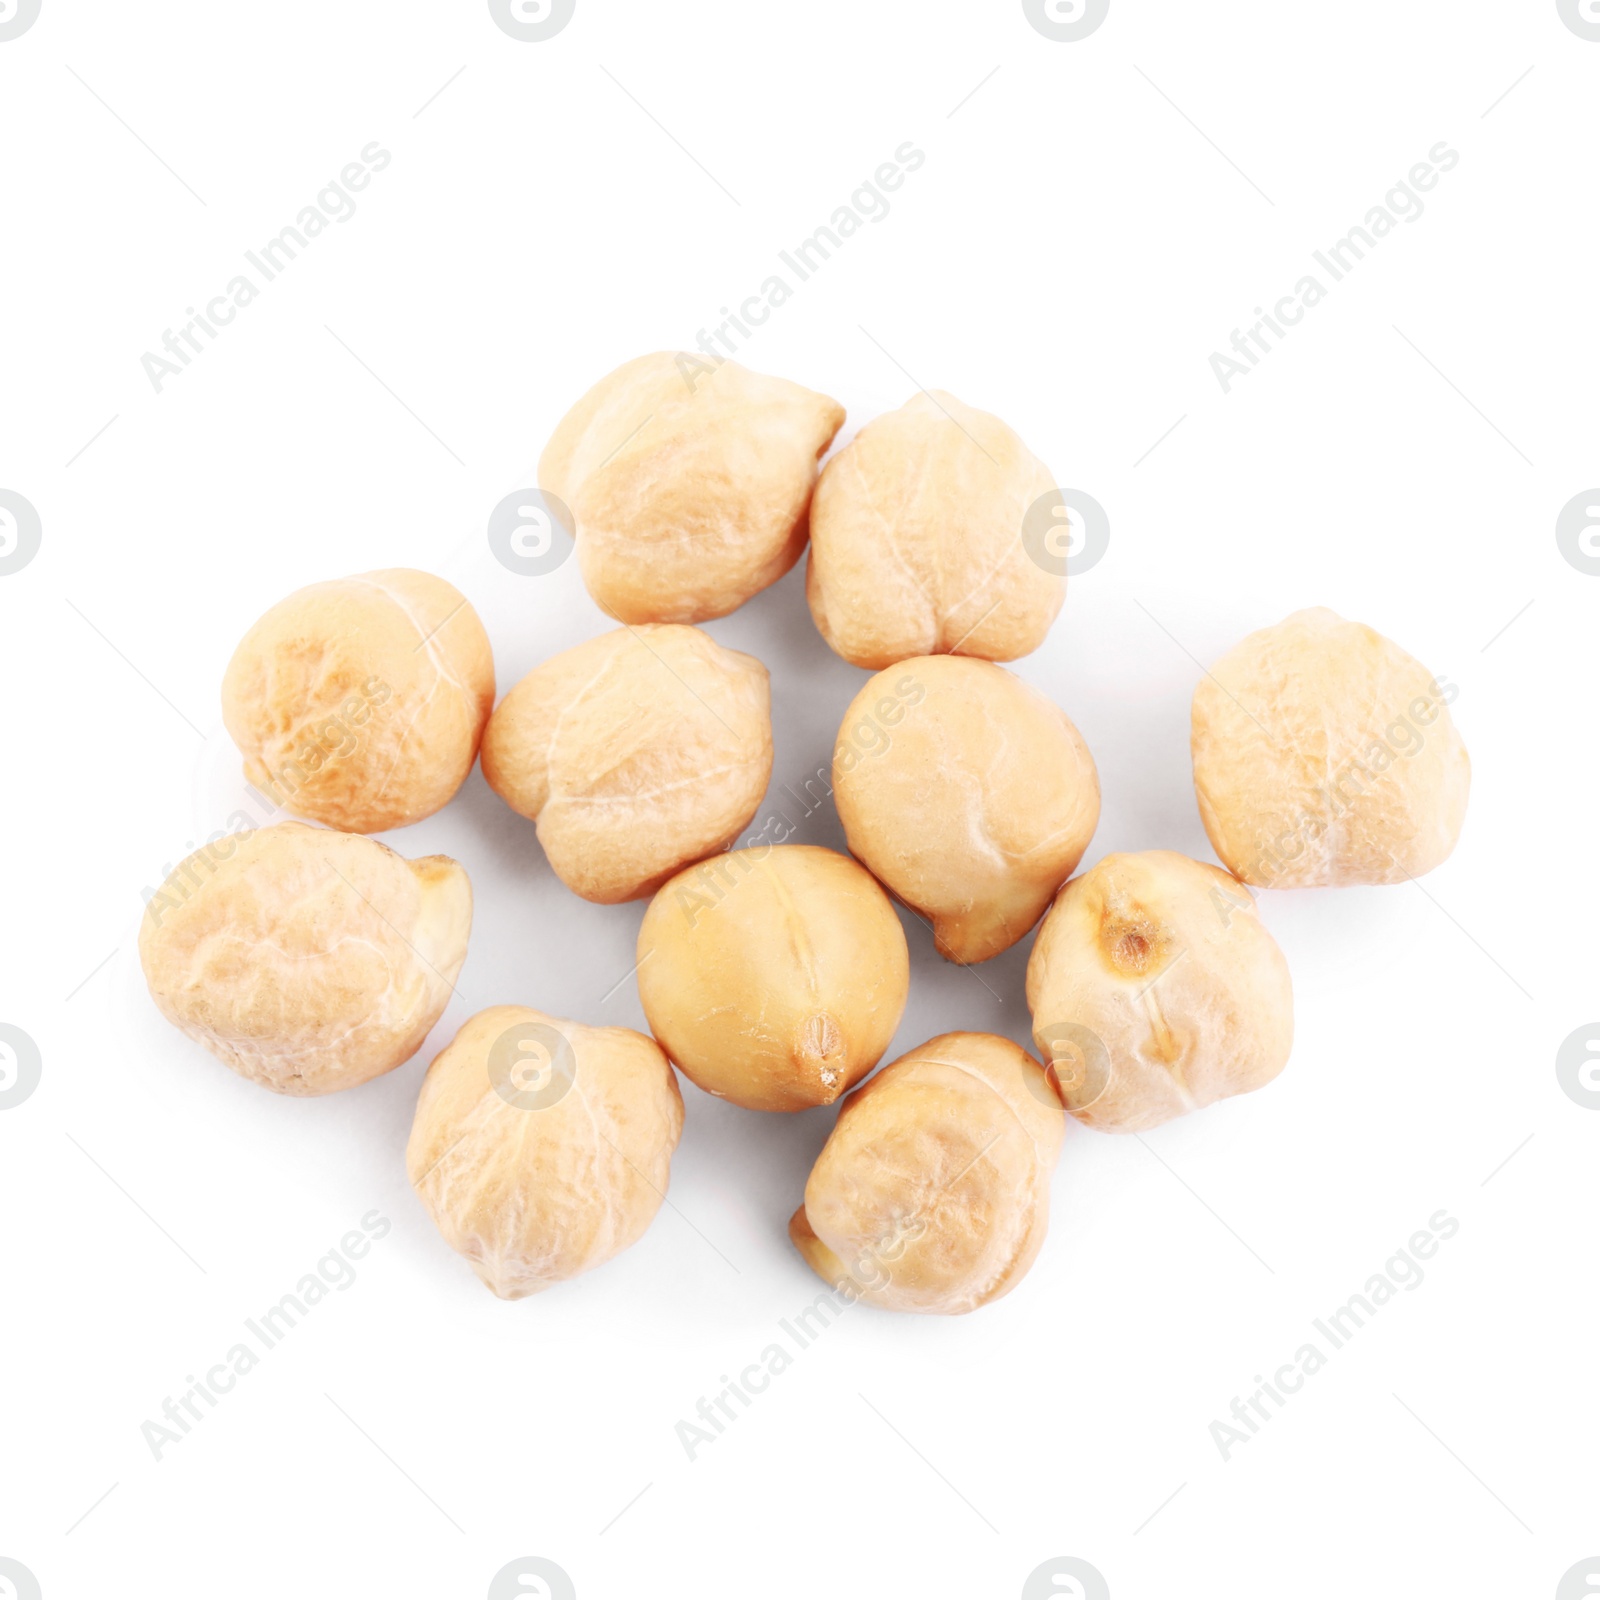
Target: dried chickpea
359 703
774 977
933 1190
689 486
968 794
636 753
307 960
1325 755
1155 990
541 1147
917 540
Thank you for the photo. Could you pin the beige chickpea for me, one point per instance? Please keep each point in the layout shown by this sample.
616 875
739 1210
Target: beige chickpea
773 977
541 1147
1325 755
636 753
359 703
307 960
933 1190
1156 990
689 483
968 794
917 540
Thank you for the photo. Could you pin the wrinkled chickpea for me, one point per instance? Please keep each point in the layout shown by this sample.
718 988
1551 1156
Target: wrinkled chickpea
541 1147
1155 990
359 703
635 753
689 484
304 959
1325 755
933 1191
917 543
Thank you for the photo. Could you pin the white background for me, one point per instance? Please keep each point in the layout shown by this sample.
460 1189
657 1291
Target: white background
1069 256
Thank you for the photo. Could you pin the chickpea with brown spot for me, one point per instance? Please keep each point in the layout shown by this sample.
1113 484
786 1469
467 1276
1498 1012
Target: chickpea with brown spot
1155 990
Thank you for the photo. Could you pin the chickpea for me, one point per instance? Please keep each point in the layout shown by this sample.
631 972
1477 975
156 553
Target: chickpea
968 794
917 540
306 960
1325 755
359 703
933 1190
636 753
689 485
774 977
1156 990
541 1147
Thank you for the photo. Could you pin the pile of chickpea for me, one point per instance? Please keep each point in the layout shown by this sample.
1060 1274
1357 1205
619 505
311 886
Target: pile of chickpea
314 958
